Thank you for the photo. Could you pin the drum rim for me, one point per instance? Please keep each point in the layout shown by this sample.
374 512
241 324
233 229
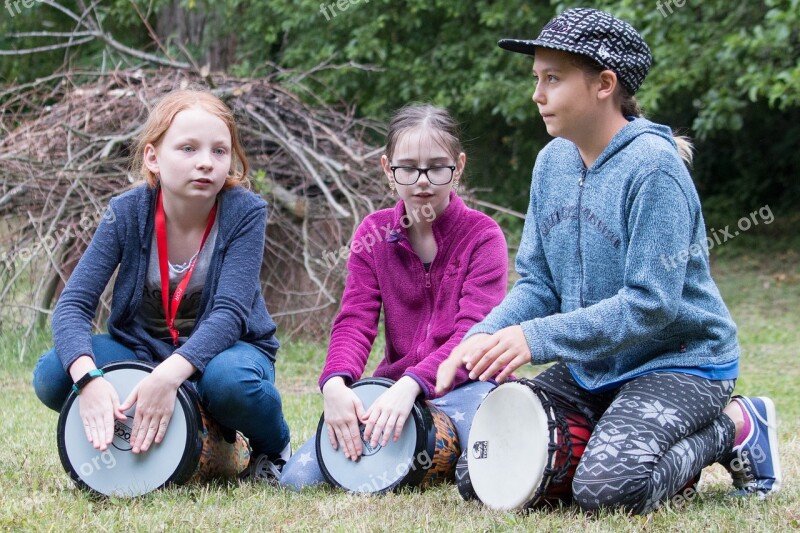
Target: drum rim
424 441
186 397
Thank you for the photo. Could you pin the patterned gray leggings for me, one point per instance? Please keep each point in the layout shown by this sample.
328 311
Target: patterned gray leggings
652 436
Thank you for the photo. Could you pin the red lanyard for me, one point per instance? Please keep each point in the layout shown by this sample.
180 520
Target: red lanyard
163 265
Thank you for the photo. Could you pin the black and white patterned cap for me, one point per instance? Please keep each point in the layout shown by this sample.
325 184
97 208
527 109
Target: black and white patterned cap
612 42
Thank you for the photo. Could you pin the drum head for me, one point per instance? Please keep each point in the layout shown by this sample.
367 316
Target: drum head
379 469
507 447
118 471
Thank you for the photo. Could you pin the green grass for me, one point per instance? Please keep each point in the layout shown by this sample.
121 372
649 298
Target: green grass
762 291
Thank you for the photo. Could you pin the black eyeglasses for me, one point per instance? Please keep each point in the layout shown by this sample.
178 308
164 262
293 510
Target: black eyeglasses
438 175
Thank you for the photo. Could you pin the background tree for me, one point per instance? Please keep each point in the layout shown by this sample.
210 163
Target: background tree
726 74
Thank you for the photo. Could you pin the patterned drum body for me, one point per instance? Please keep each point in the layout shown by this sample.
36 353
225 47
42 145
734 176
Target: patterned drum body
219 458
425 453
193 447
446 450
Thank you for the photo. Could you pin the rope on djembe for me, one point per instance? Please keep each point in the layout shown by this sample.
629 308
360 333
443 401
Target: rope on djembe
557 423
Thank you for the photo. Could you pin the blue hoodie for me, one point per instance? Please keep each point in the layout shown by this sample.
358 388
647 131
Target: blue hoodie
232 307
613 265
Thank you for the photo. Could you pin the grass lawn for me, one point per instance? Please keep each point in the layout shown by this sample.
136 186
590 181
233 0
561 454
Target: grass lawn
762 291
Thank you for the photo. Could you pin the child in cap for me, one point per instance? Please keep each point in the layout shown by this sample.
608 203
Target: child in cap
646 348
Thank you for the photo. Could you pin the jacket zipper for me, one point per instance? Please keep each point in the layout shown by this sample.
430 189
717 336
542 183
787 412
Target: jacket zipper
580 252
405 244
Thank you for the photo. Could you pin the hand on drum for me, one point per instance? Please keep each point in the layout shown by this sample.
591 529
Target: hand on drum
99 405
154 397
343 410
387 415
485 355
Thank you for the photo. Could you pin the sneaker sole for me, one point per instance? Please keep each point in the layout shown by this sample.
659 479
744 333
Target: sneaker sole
772 433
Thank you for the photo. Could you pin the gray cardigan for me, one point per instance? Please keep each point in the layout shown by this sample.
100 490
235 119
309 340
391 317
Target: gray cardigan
613 265
232 307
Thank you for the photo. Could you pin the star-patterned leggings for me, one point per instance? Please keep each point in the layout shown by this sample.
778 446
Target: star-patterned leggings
460 405
652 436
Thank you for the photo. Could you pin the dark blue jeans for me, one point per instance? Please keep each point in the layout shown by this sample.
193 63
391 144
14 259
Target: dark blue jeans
237 389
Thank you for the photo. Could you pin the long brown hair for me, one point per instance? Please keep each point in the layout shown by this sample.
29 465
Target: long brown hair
628 104
160 119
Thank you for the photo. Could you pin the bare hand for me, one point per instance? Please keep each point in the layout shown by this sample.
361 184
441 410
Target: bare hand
154 397
342 412
446 373
155 403
388 414
99 405
505 351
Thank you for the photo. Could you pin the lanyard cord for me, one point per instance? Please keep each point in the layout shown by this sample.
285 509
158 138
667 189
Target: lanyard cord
170 311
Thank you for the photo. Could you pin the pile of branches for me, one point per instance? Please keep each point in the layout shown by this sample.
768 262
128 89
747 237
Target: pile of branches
65 152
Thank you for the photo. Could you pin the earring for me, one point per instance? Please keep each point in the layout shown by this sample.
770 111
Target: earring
455 184
392 190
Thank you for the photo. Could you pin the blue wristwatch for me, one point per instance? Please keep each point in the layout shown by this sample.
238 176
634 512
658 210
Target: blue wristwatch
89 376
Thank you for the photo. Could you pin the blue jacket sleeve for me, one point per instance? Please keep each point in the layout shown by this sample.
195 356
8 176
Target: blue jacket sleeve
76 307
658 221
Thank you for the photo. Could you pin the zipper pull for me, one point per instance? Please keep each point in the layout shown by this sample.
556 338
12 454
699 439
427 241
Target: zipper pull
582 178
428 280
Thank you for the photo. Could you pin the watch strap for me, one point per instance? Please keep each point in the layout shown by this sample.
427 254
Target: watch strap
89 376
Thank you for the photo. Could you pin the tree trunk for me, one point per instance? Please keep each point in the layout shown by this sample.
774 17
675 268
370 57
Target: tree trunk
195 29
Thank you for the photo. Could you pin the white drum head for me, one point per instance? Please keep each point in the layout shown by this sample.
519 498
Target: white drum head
118 471
507 447
379 469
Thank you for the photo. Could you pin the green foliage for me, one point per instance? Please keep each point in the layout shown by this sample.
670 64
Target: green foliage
16 18
722 72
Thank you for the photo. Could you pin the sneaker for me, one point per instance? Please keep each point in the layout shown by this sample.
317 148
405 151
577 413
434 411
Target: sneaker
754 465
267 467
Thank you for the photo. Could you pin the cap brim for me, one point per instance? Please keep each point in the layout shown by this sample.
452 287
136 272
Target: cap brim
521 46
529 46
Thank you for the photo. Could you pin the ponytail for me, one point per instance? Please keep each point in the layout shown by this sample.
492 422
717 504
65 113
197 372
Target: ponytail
630 108
685 148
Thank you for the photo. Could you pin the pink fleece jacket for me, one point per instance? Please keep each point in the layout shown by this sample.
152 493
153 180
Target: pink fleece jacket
426 313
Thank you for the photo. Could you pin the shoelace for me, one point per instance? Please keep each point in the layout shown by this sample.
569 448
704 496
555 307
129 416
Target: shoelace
265 467
743 476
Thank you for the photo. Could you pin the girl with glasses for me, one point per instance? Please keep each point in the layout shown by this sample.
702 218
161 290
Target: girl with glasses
435 268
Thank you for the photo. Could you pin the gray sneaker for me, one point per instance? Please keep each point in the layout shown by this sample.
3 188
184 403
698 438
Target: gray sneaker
267 467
